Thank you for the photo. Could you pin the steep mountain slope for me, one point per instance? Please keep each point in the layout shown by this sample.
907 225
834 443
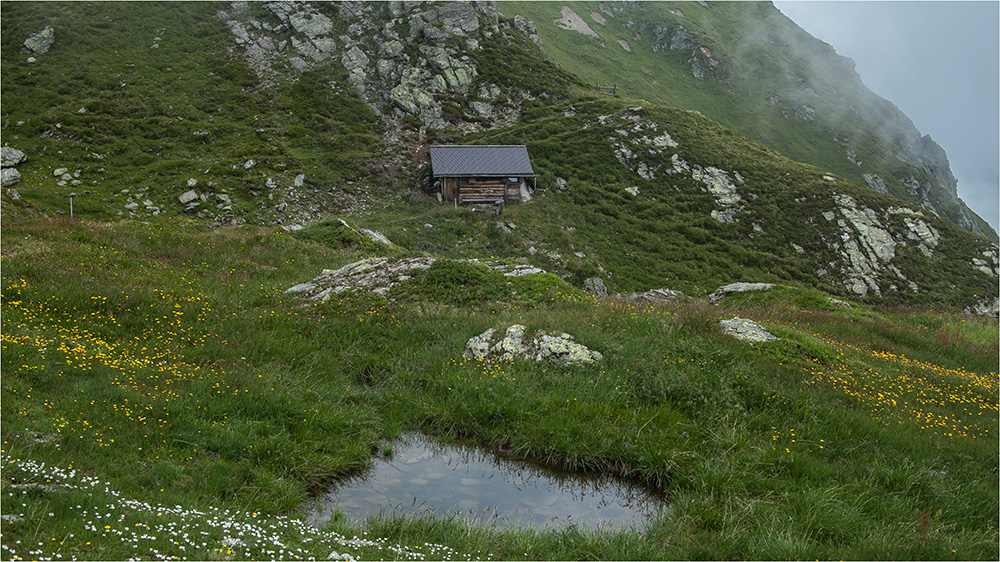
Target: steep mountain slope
749 67
289 113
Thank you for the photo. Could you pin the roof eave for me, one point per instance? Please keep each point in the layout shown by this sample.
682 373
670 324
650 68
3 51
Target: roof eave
513 175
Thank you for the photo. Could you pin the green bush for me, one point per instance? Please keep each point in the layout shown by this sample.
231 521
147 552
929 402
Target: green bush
794 347
459 282
336 234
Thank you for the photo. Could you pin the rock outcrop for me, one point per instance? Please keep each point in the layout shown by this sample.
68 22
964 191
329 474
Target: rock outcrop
723 190
380 275
986 308
527 27
9 176
405 59
9 159
659 296
636 139
38 43
540 346
725 290
868 246
595 286
746 330
642 145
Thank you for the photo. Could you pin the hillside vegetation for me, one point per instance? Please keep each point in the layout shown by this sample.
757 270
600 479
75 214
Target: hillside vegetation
747 66
657 197
166 396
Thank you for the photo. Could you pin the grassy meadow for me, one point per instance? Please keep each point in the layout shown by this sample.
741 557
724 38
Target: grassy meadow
164 398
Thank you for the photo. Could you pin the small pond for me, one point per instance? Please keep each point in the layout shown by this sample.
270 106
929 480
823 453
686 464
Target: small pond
487 488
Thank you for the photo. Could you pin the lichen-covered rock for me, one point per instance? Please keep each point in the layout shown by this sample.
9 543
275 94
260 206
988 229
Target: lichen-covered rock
723 189
639 144
10 157
923 232
457 18
659 295
595 286
876 183
677 165
415 102
478 347
355 59
987 307
516 344
512 345
679 41
840 303
482 109
376 236
989 263
311 24
746 330
9 176
380 275
867 246
872 234
39 42
405 67
527 27
188 196
721 292
563 350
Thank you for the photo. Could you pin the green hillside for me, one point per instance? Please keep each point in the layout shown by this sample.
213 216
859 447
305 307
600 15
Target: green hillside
747 66
665 234
189 129
182 376
120 114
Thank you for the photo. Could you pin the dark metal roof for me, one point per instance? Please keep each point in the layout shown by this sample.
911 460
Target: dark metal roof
481 160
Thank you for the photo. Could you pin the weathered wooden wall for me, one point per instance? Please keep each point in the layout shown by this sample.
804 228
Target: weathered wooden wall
466 189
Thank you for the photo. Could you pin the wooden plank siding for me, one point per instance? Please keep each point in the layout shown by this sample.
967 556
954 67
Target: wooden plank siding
482 189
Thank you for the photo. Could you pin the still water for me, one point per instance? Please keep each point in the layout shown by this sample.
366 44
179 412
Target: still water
487 488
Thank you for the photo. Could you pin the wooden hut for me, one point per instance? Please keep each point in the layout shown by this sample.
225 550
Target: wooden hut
492 174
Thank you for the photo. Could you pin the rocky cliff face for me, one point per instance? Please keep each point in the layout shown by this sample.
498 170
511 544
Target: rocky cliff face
407 60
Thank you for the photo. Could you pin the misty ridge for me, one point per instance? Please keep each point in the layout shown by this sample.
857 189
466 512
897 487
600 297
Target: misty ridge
771 80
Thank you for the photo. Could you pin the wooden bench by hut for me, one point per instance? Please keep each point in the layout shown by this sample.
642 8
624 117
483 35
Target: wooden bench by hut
493 174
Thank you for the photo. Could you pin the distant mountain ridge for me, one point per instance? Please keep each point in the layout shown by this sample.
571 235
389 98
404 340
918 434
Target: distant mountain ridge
751 68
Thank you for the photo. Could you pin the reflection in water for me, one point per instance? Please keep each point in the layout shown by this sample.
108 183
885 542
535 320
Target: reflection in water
426 476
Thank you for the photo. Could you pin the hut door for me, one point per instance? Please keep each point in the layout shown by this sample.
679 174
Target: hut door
449 187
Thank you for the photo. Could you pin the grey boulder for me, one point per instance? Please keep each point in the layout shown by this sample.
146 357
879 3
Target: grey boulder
39 42
10 157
